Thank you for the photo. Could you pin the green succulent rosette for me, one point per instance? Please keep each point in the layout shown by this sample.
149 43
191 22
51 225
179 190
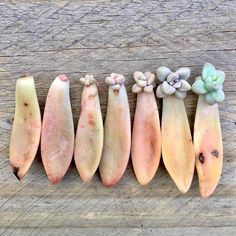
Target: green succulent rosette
210 84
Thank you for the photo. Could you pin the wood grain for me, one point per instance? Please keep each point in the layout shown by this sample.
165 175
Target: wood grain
46 38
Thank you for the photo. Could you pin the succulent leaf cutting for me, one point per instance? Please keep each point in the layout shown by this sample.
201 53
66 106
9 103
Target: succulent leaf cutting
57 139
89 135
26 128
207 131
177 146
146 136
117 132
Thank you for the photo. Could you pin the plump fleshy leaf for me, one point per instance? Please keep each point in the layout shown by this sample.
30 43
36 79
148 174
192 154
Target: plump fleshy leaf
183 72
57 139
177 147
219 96
210 98
117 138
162 73
136 89
208 146
159 92
199 87
180 94
208 70
26 127
171 77
220 76
89 134
185 86
146 138
167 89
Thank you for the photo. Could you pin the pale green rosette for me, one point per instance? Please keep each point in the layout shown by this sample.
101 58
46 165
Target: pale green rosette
210 84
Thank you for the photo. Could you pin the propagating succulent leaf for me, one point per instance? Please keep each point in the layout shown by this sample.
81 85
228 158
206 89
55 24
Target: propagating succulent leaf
117 132
208 146
207 131
177 146
146 136
26 128
89 135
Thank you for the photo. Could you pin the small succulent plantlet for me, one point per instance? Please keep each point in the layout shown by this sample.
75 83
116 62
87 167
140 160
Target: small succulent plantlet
89 135
177 147
207 131
146 136
117 137
57 139
26 128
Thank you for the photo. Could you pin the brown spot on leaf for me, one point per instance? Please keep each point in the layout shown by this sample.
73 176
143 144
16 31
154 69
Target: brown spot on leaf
201 158
90 120
215 153
152 138
116 91
26 104
92 96
15 171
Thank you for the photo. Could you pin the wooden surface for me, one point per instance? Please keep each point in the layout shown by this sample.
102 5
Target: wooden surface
46 38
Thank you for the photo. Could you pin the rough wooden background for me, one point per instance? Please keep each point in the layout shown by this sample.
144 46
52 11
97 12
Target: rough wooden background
46 38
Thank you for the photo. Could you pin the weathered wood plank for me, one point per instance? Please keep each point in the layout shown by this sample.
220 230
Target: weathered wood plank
45 38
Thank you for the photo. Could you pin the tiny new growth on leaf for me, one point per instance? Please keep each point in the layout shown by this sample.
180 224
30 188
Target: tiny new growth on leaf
210 84
207 131
89 135
146 136
177 146
117 139
26 128
173 82
57 140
